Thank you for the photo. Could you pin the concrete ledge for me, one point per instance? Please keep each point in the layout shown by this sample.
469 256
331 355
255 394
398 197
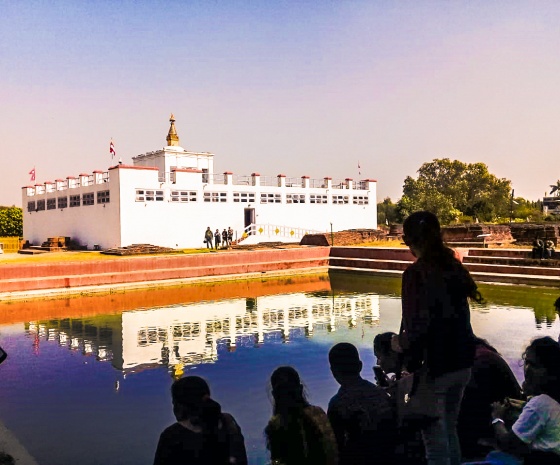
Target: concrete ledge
368 263
119 287
143 275
511 269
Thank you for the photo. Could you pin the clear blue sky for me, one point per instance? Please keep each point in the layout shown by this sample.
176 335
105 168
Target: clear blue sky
293 87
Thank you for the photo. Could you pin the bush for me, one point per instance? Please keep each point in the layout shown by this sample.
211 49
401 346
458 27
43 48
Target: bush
11 221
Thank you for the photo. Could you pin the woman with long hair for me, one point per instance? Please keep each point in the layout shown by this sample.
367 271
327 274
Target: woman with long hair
203 435
298 433
436 338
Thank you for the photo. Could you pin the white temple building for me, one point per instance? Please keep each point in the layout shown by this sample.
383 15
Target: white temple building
170 196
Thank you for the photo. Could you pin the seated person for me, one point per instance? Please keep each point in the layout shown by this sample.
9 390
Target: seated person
388 361
549 249
360 412
203 435
534 438
538 249
298 433
491 381
409 448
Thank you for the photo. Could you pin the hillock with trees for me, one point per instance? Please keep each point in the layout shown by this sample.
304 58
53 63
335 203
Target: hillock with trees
458 192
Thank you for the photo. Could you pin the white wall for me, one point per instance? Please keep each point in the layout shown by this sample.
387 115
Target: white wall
125 221
175 224
90 224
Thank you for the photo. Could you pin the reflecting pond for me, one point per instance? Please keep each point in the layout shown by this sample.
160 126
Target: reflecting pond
87 379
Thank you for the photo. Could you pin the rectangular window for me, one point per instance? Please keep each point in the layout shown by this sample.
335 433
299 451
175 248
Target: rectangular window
183 196
74 201
51 204
88 199
149 195
360 200
295 198
215 196
271 198
317 198
103 197
246 197
62 202
31 206
40 205
339 199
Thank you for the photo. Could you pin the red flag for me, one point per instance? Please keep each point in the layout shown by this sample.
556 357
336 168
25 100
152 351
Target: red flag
112 149
32 174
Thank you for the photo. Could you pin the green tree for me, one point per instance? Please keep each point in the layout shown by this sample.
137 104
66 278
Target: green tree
451 189
387 212
525 209
11 221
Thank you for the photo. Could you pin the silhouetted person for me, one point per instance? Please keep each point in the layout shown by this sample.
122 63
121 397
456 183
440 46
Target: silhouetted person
203 435
298 433
491 381
436 337
360 412
548 249
388 361
538 249
409 447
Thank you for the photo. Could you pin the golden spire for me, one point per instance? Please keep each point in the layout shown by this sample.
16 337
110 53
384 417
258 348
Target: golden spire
172 137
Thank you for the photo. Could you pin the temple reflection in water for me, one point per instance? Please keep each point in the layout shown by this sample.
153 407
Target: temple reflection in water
184 335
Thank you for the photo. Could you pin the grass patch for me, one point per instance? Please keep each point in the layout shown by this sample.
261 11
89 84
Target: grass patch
80 256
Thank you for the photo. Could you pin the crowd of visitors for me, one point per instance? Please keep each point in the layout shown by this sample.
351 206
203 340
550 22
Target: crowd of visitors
442 395
217 240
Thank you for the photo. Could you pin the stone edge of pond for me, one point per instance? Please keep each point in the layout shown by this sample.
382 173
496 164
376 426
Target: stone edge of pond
9 444
101 289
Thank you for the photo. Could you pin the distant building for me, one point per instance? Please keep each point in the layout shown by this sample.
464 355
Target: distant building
170 196
551 205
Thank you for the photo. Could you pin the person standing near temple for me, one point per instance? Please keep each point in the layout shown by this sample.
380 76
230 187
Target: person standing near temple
208 237
217 239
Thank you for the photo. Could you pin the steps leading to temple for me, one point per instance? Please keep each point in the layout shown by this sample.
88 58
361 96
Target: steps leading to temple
513 266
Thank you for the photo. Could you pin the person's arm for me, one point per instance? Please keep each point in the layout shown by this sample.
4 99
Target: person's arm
507 440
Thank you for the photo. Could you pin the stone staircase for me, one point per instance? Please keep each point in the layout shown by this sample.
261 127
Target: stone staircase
513 266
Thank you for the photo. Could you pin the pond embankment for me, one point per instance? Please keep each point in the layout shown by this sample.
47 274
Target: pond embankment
20 281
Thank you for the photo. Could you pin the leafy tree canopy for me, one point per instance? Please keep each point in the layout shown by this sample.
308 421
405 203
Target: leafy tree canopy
451 188
387 212
11 221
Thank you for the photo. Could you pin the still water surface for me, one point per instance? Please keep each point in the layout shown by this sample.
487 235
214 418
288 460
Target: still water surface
87 380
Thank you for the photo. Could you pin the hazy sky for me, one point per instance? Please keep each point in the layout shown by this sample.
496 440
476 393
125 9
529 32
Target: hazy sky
292 87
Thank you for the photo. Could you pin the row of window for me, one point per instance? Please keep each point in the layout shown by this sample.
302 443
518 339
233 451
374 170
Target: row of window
153 195
73 201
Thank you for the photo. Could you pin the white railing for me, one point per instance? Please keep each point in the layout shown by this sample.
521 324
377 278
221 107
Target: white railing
280 231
